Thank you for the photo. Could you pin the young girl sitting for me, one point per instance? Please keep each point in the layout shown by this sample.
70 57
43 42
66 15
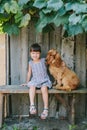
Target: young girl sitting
37 77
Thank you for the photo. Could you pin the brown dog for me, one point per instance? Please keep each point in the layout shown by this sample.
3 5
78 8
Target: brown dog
66 78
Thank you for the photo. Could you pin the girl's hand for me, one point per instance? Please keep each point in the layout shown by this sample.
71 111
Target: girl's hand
25 84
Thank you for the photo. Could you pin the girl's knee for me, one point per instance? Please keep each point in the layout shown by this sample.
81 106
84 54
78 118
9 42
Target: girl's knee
32 88
44 88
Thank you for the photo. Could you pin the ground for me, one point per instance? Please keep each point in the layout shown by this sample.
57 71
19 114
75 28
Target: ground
36 123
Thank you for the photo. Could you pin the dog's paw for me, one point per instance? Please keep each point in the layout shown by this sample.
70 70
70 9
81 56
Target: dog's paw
56 86
66 88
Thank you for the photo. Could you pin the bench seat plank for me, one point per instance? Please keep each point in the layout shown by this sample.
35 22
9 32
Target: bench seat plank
23 89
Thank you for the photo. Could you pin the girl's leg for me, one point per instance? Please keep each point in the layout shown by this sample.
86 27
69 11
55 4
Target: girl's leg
44 91
32 92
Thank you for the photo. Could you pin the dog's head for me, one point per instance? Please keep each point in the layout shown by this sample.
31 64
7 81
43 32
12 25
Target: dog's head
53 58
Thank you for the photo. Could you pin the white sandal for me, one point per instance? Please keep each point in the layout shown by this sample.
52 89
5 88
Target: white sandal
44 114
32 110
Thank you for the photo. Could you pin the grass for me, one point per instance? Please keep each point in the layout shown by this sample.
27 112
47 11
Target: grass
4 127
72 127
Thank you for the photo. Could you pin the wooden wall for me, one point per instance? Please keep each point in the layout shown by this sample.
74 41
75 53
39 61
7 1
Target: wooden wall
73 52
2 60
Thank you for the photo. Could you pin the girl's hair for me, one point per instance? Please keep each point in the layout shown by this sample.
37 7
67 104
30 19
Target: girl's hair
35 47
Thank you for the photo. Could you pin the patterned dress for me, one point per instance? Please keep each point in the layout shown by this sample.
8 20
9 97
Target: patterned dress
39 74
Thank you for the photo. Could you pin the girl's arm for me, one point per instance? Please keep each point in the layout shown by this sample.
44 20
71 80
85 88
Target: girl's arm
28 76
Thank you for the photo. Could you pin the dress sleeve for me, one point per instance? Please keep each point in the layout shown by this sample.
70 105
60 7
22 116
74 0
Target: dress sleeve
30 63
44 60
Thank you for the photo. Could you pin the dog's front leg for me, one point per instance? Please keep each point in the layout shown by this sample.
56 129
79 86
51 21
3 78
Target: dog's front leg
59 79
59 84
54 83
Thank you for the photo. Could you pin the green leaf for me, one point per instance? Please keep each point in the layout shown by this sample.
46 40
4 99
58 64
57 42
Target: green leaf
7 7
4 17
77 7
61 11
75 29
43 21
1 29
18 17
74 19
25 20
1 9
14 8
84 24
60 20
54 4
11 29
46 10
22 2
40 3
11 7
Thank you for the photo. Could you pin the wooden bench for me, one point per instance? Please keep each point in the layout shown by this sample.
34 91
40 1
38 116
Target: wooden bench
16 89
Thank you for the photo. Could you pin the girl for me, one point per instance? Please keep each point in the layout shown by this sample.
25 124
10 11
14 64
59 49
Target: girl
37 77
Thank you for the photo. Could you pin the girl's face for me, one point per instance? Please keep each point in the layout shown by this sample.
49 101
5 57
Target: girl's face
35 55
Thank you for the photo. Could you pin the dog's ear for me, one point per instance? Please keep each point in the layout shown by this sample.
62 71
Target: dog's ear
58 60
47 59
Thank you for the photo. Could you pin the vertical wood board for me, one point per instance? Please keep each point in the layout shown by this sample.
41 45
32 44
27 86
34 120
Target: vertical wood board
19 64
80 62
54 42
80 67
67 51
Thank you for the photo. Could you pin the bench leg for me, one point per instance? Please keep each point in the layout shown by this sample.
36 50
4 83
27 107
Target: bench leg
1 109
72 113
64 103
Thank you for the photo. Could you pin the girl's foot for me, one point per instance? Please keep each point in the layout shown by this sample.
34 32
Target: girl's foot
44 114
32 110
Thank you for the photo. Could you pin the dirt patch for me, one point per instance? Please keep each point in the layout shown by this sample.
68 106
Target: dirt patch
32 123
36 123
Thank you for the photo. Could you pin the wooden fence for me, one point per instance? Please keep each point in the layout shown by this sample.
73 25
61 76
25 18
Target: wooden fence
73 51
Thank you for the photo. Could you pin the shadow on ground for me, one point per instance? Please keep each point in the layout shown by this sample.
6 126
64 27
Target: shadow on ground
36 123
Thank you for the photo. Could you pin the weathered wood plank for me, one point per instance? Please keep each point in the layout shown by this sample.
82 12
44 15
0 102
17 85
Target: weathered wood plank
45 44
55 39
72 112
19 63
7 89
21 105
52 105
54 42
19 57
8 76
31 34
1 109
67 53
80 68
80 62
